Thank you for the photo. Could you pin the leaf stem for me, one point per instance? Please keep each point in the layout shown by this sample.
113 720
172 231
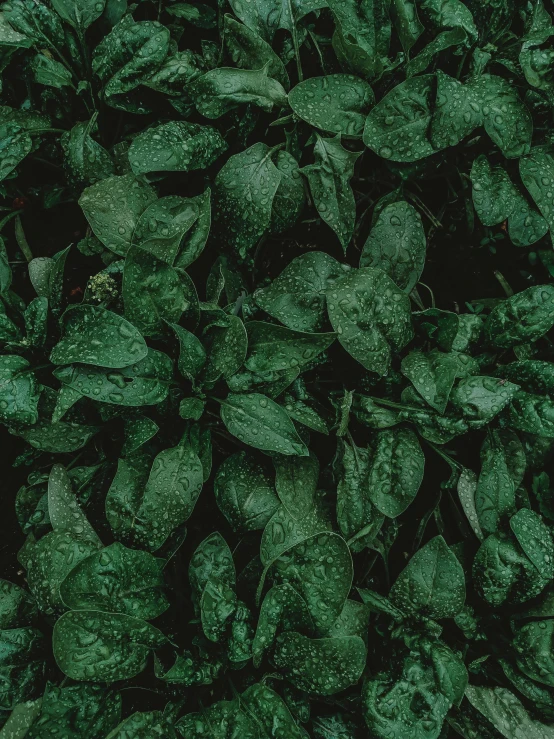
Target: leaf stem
454 466
21 239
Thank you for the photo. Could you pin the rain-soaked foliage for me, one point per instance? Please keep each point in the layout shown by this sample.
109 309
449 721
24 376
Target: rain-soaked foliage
277 369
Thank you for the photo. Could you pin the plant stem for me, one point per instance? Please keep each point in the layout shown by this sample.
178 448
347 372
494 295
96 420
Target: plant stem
21 239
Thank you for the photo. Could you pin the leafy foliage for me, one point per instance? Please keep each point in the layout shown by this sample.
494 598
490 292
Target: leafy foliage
277 369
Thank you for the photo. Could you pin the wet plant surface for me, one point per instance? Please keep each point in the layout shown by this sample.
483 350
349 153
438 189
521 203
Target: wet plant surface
276 322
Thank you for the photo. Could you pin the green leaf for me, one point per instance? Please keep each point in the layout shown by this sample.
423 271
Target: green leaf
192 355
532 414
153 511
267 16
113 207
21 719
248 50
329 181
523 318
406 22
271 712
397 245
245 492
94 335
290 197
77 710
506 713
5 269
59 437
317 565
371 317
336 103
50 560
450 672
296 481
79 13
103 647
395 471
481 398
358 520
283 609
407 702
506 119
17 607
86 160
162 228
212 559
195 240
51 73
532 650
396 128
496 199
176 146
66 516
260 422
199 15
229 345
537 172
433 583
19 391
141 724
297 297
126 58
244 191
47 277
143 383
284 531
340 662
272 347
433 374
221 90
118 580
154 292
495 494
365 27
488 101
535 539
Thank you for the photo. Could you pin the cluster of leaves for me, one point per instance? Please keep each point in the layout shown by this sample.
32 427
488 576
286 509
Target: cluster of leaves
271 488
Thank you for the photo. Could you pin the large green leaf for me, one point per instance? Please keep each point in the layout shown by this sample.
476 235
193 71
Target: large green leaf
103 647
221 90
94 335
329 181
396 128
113 207
119 580
260 422
337 103
155 292
321 666
245 492
19 391
143 383
433 583
297 296
371 317
272 347
395 471
244 191
176 146
397 245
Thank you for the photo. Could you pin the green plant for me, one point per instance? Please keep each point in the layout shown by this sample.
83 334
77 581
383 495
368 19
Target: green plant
283 433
